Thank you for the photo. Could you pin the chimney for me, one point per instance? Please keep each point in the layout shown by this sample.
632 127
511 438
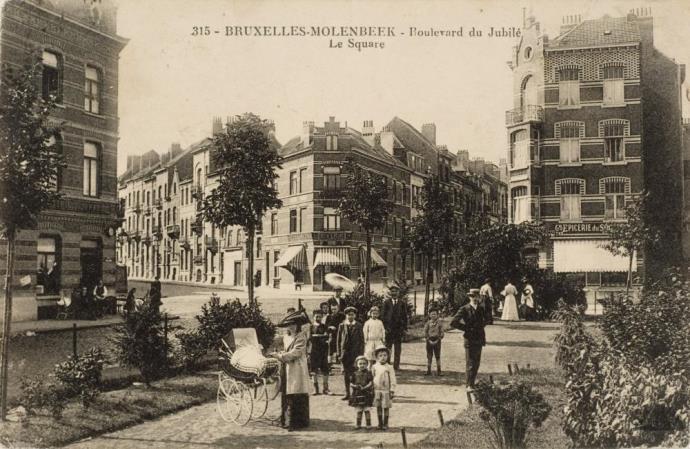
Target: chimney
217 126
387 140
307 131
429 131
570 22
643 17
464 156
368 131
175 149
129 162
478 166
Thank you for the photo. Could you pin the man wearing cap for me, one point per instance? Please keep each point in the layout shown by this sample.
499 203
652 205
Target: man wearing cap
350 345
470 319
394 317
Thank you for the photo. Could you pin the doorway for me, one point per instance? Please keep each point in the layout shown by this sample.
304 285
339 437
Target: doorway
91 262
238 274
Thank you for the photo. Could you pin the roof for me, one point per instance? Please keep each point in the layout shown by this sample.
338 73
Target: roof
407 136
600 32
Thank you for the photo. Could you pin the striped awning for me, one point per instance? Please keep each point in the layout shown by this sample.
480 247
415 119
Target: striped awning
294 257
587 256
332 255
376 260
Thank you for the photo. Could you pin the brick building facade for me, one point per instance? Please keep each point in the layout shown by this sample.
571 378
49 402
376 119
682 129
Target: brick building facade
79 46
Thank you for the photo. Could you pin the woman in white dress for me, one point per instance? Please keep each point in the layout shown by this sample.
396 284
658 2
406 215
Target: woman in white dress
510 309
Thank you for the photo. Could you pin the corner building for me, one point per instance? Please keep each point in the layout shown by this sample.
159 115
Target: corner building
596 121
80 49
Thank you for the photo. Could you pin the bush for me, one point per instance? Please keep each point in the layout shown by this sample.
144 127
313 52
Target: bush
550 288
81 375
191 349
218 319
33 395
510 410
357 300
140 342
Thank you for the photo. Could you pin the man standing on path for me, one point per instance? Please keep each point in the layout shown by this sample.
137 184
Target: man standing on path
394 319
470 319
487 300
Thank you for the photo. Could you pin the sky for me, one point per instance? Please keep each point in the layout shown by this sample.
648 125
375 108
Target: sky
172 83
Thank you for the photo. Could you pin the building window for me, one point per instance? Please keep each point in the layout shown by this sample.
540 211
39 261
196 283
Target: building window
293 182
51 76
614 86
293 220
331 219
302 179
570 191
614 146
614 190
331 178
302 218
92 90
332 142
396 229
569 87
520 204
48 265
519 149
569 144
91 158
274 223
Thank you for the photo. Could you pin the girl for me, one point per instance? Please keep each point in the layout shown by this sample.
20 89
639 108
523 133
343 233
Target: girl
384 385
374 335
362 396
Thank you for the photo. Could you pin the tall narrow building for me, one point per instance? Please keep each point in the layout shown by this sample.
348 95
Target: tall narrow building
596 121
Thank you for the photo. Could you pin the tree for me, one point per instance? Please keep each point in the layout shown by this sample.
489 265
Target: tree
431 232
633 235
29 168
365 202
247 161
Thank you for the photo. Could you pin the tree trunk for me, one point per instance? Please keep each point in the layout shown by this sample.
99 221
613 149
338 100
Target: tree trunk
4 368
367 264
403 256
429 281
250 262
629 283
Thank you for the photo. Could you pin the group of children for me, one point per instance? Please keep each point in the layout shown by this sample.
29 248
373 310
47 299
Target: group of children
370 381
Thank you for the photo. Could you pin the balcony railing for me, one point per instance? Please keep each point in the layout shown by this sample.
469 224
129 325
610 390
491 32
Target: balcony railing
211 244
136 208
173 231
147 210
197 192
135 235
529 113
185 243
157 232
158 204
198 260
146 240
198 227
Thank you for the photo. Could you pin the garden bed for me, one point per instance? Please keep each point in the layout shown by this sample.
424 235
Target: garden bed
112 410
468 431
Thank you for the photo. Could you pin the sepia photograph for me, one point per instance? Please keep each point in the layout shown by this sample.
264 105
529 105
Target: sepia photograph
338 224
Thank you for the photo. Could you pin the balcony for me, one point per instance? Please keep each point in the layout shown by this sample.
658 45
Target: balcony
529 113
173 231
331 194
198 227
147 211
198 192
184 243
135 235
168 198
146 240
198 260
211 244
136 208
157 232
158 204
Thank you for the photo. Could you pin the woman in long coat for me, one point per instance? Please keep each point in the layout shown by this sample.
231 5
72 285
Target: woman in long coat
295 373
510 309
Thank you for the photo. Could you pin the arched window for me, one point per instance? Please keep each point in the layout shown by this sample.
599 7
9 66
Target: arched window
570 191
529 94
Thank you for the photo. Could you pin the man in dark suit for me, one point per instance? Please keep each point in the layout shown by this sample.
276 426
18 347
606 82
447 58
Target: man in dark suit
350 345
471 320
394 319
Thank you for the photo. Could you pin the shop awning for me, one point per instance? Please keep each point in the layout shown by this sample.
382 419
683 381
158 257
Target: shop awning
376 260
293 257
587 256
333 255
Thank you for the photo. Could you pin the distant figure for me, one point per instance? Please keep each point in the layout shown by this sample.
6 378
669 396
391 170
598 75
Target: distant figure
53 279
318 352
528 301
130 302
100 291
510 310
394 319
433 334
486 296
155 294
88 304
350 345
374 335
77 302
470 320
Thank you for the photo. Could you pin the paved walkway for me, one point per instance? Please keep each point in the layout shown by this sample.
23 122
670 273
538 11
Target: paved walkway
416 406
43 326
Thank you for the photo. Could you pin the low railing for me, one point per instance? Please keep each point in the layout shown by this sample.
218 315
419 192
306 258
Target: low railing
529 113
173 231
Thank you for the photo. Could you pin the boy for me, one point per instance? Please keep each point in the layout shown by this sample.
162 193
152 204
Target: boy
350 345
433 334
318 352
384 386
362 396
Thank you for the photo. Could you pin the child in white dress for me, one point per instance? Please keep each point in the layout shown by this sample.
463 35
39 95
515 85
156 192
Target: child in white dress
384 385
374 335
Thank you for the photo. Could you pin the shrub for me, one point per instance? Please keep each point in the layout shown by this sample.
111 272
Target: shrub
191 349
218 319
81 375
510 410
550 288
140 342
36 395
357 300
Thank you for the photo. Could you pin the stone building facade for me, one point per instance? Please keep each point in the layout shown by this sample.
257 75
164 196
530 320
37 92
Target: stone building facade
79 46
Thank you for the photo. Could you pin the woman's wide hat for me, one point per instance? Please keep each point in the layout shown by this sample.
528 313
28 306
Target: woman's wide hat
298 317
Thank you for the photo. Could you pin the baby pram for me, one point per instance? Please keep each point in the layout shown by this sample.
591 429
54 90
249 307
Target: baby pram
247 381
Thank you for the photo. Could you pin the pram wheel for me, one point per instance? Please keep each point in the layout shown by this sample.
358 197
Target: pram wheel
234 401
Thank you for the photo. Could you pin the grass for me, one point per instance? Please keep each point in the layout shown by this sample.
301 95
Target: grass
468 431
112 411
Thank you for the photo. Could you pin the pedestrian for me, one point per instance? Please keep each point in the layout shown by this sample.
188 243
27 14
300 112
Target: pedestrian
362 396
295 373
528 301
130 302
374 335
350 345
77 302
433 334
88 305
318 352
332 321
394 321
470 320
384 386
53 279
510 309
337 298
486 296
155 294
